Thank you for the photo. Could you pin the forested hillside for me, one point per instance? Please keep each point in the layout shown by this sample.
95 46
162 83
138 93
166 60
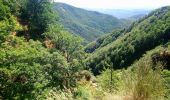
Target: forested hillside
109 38
104 40
41 60
117 33
149 32
87 24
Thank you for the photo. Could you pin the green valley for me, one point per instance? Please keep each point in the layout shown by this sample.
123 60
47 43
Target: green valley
142 36
44 53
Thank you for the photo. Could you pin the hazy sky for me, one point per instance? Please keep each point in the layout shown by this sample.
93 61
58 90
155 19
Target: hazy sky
116 4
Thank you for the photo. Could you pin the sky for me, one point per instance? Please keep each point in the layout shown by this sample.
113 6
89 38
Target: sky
117 4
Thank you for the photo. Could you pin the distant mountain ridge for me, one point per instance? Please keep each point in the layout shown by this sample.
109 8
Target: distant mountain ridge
136 17
123 13
87 24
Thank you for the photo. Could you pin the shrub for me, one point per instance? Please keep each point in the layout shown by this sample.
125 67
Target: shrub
104 80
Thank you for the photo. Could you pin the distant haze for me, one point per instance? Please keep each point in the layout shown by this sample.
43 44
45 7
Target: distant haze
124 13
117 4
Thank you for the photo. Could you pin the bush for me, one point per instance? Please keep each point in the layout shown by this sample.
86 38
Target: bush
21 69
104 80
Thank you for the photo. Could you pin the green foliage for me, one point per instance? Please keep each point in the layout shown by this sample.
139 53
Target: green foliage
8 22
166 76
4 10
33 70
103 41
87 91
21 68
104 80
38 15
72 55
143 36
65 42
87 24
83 92
60 73
28 69
143 80
146 79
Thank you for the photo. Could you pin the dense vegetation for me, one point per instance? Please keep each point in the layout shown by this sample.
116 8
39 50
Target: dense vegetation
104 40
117 33
29 68
39 59
87 24
142 36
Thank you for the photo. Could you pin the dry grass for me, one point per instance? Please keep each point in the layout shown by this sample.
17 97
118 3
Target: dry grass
144 82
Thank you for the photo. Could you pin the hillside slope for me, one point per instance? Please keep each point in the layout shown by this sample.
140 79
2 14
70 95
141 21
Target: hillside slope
109 38
104 40
87 24
141 37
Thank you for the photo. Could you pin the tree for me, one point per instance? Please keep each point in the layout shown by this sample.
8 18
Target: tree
21 70
39 15
64 41
8 22
70 51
